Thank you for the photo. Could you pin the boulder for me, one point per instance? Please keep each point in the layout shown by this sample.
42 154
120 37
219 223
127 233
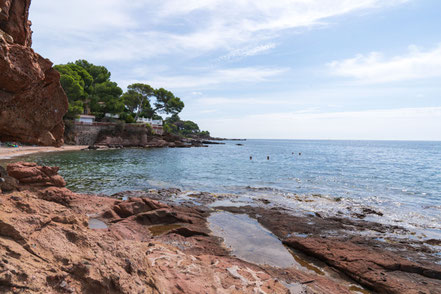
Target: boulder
32 101
28 173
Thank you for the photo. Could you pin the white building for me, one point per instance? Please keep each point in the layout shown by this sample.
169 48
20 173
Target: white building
149 121
86 119
109 115
155 124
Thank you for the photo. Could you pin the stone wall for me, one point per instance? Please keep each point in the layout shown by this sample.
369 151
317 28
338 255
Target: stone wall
87 134
109 134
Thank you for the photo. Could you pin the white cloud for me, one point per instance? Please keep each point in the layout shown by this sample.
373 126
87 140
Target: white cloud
141 29
83 16
212 101
216 77
247 51
256 15
375 68
422 123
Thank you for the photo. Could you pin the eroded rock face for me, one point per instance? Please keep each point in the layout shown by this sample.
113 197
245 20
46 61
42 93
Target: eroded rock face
32 101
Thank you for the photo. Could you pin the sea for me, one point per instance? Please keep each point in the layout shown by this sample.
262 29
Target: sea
399 180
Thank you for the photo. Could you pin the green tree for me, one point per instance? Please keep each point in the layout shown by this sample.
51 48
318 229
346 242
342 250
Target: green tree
100 74
166 102
106 98
75 108
137 100
143 100
189 128
175 125
76 82
90 84
105 95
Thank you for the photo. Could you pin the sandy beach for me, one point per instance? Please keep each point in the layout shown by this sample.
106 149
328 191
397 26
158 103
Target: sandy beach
9 152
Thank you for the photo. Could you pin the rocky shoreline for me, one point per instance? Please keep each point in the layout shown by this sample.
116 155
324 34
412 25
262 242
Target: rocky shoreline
151 141
55 241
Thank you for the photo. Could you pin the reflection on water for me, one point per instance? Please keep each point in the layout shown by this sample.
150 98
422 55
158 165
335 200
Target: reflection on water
96 224
249 241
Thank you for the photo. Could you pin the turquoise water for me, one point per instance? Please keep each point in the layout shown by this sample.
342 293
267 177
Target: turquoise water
402 180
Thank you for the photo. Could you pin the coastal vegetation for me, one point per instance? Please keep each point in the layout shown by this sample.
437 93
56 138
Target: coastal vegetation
91 91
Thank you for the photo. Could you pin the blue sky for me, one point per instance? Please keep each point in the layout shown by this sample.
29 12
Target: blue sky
294 69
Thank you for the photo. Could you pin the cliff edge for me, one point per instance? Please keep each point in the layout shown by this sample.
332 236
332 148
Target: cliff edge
32 101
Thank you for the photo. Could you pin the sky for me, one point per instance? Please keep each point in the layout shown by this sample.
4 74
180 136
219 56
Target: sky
274 69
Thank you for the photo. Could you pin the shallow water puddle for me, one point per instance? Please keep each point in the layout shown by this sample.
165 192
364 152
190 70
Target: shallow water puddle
249 241
97 224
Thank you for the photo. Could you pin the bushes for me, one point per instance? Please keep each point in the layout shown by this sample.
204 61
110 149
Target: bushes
149 129
128 118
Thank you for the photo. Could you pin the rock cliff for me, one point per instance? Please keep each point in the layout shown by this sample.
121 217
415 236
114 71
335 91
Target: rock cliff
32 102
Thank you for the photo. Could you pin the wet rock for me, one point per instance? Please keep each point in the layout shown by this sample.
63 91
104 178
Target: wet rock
162 216
381 271
433 242
334 236
371 211
32 101
264 201
189 232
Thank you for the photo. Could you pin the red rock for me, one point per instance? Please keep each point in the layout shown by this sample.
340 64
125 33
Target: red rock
135 206
31 174
32 101
48 248
61 196
162 216
381 271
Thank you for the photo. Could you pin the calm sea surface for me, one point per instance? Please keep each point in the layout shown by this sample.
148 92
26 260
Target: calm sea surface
402 180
